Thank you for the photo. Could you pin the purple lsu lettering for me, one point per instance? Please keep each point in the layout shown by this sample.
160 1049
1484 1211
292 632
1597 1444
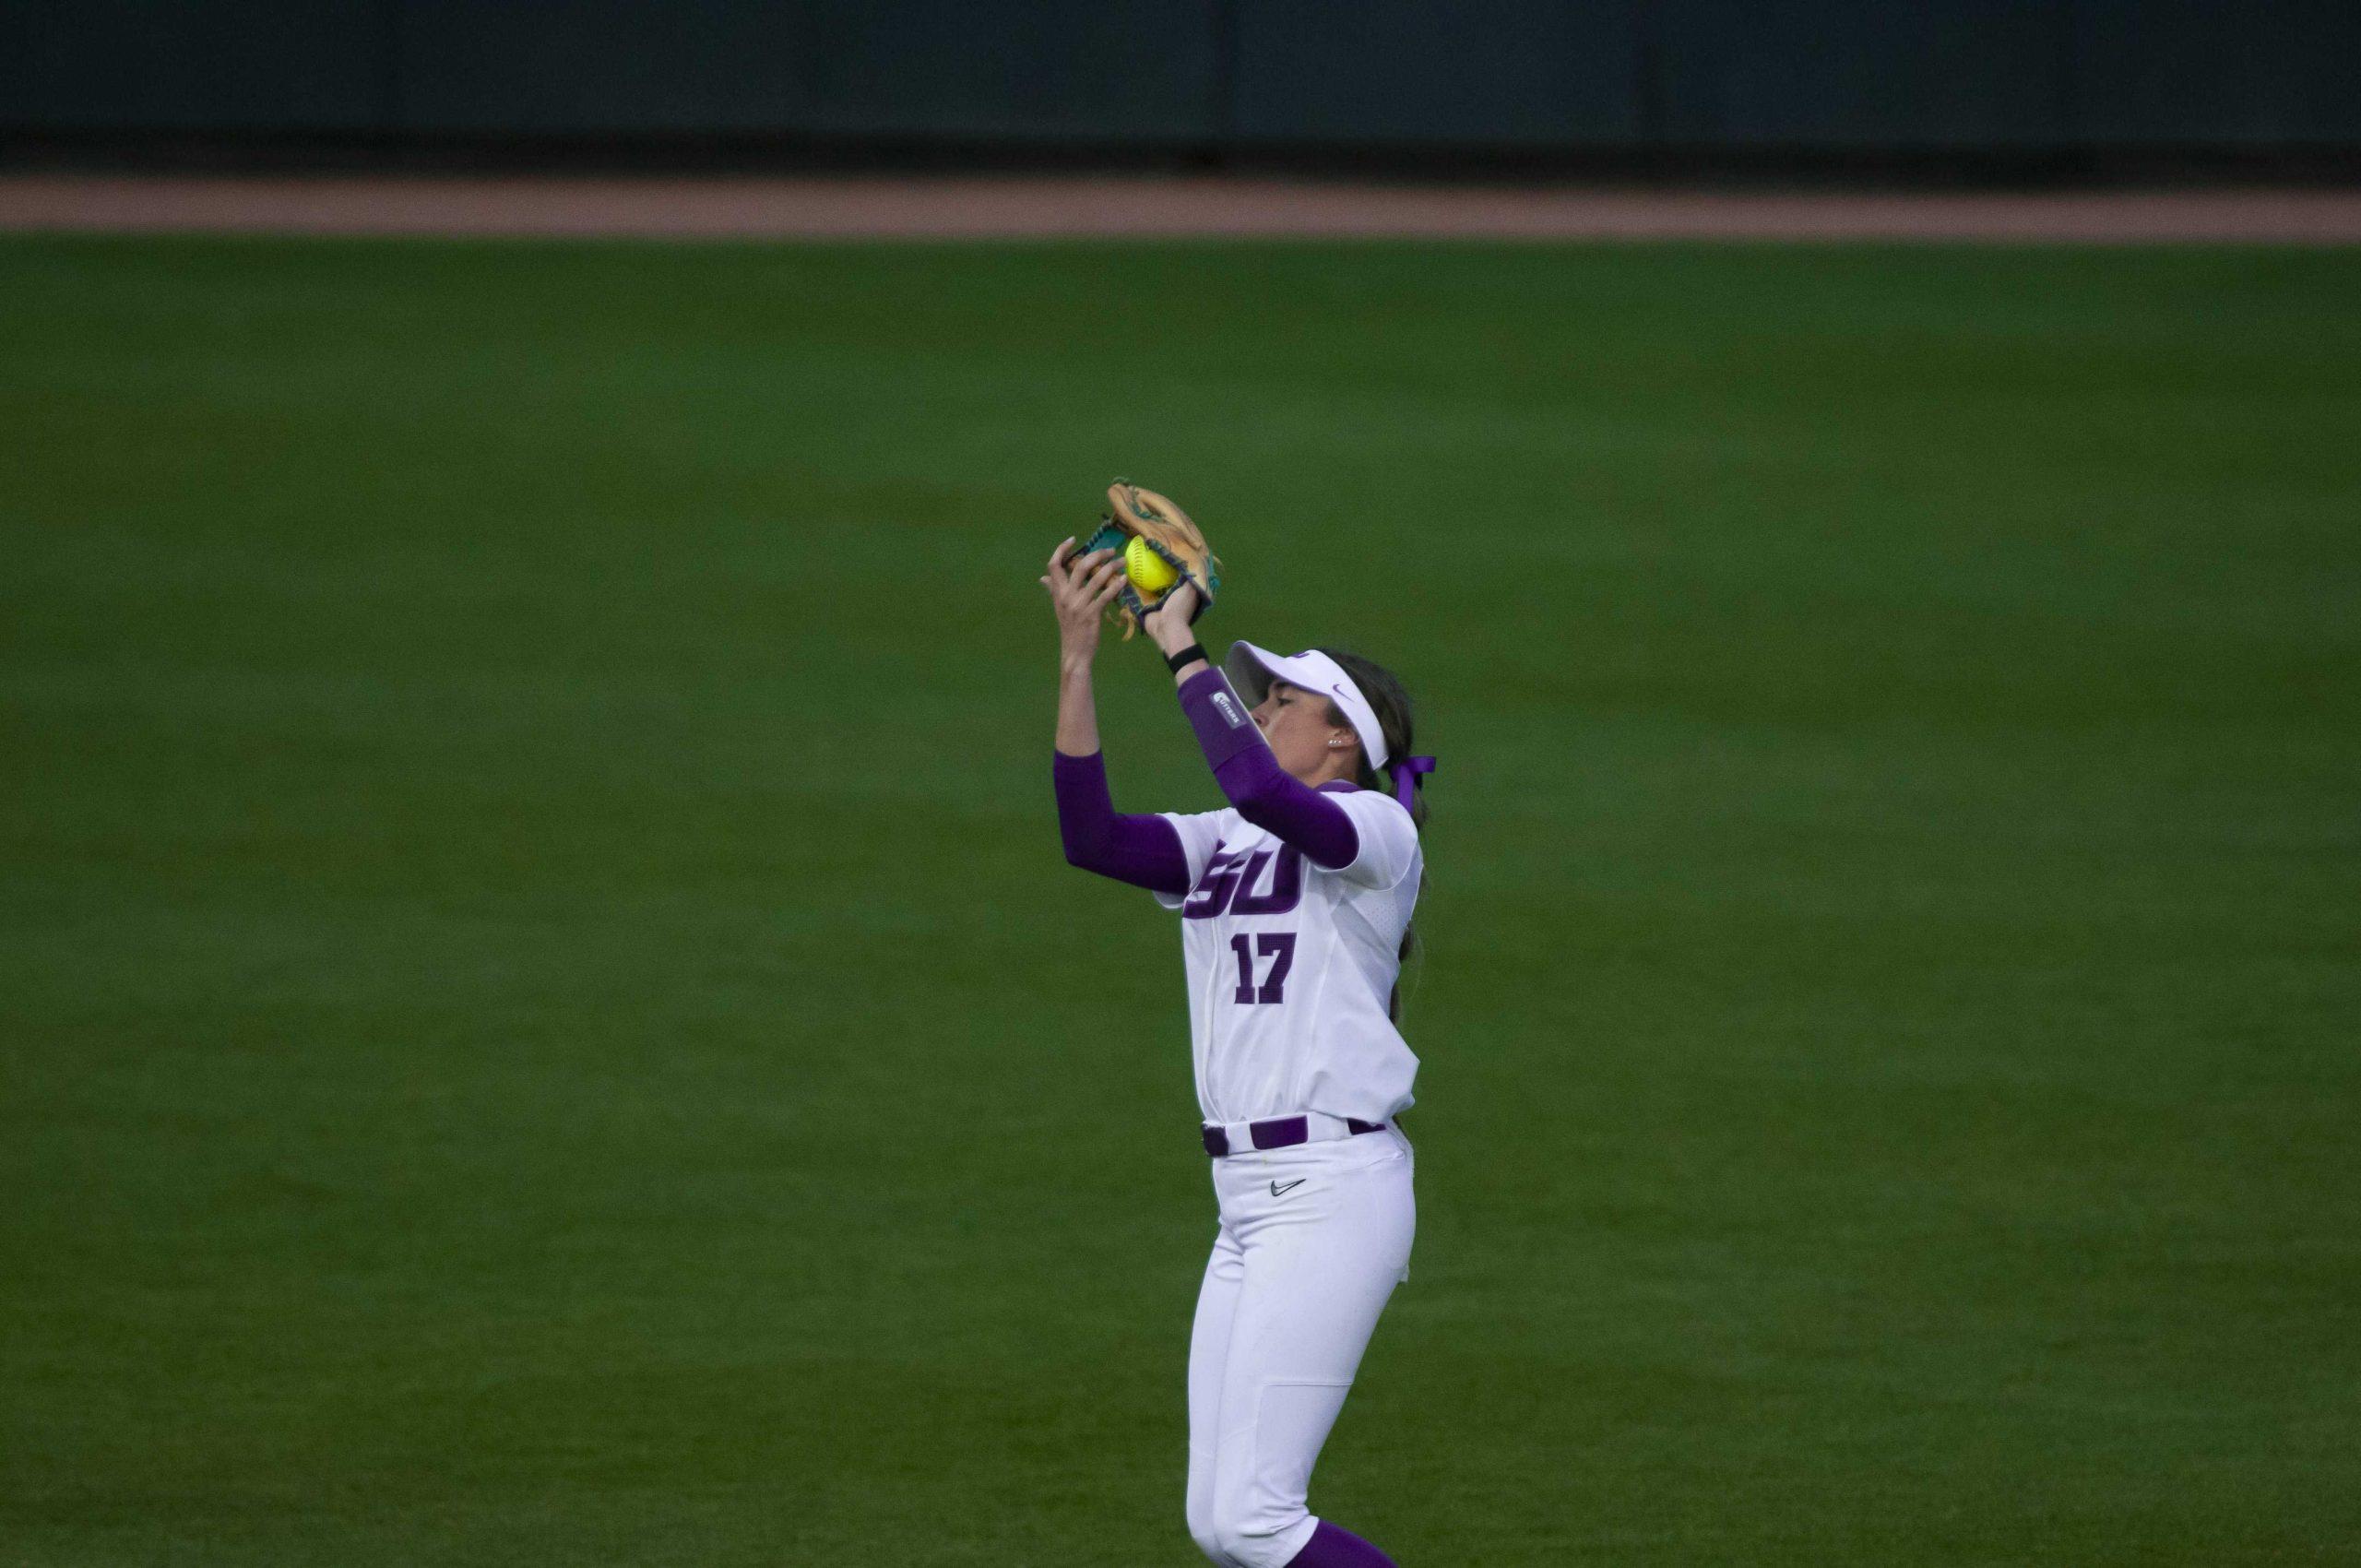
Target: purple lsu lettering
1228 881
1229 885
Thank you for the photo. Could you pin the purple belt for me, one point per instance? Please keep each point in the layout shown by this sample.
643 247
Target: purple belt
1279 1132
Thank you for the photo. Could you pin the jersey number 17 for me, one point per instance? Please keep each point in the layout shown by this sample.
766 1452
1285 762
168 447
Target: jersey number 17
1278 945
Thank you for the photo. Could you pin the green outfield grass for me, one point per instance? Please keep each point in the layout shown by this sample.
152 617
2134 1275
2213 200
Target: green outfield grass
546 1023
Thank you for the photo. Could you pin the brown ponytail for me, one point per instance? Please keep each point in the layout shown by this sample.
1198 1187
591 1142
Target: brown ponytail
1392 705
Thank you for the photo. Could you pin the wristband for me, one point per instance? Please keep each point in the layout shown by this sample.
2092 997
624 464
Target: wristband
1194 650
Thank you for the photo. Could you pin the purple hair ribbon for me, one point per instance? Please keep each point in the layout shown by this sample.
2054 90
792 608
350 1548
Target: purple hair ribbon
1406 782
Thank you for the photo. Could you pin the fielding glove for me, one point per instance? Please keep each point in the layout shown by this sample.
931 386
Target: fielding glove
1144 515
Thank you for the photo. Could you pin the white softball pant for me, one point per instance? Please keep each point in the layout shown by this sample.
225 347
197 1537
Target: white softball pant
1313 1239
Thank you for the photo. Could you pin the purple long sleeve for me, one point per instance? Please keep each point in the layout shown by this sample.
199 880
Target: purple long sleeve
1251 777
1143 850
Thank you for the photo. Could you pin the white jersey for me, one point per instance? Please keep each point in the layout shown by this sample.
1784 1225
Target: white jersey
1291 966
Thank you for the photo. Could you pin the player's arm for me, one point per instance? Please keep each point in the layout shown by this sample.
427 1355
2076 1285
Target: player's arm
1252 778
1081 586
1143 850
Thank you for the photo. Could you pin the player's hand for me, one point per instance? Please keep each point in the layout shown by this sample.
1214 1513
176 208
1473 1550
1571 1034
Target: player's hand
1167 624
1081 586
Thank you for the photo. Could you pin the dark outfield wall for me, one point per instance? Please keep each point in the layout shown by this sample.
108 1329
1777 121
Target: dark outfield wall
1869 74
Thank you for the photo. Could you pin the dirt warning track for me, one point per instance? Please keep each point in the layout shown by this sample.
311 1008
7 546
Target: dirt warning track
1145 208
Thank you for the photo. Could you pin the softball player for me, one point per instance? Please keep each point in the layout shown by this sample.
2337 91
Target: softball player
1295 905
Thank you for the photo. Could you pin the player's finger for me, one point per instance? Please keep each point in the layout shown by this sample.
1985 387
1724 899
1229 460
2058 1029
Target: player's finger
1058 556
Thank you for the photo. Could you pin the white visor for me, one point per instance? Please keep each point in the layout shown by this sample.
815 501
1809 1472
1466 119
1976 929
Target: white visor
1252 669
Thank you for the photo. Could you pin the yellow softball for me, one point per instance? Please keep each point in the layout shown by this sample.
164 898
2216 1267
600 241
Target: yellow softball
1149 571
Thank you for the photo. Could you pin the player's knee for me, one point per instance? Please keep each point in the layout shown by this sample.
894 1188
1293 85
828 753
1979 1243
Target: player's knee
1203 1531
1255 1539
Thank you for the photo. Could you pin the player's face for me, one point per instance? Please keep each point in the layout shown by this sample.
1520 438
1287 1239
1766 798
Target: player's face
1296 723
